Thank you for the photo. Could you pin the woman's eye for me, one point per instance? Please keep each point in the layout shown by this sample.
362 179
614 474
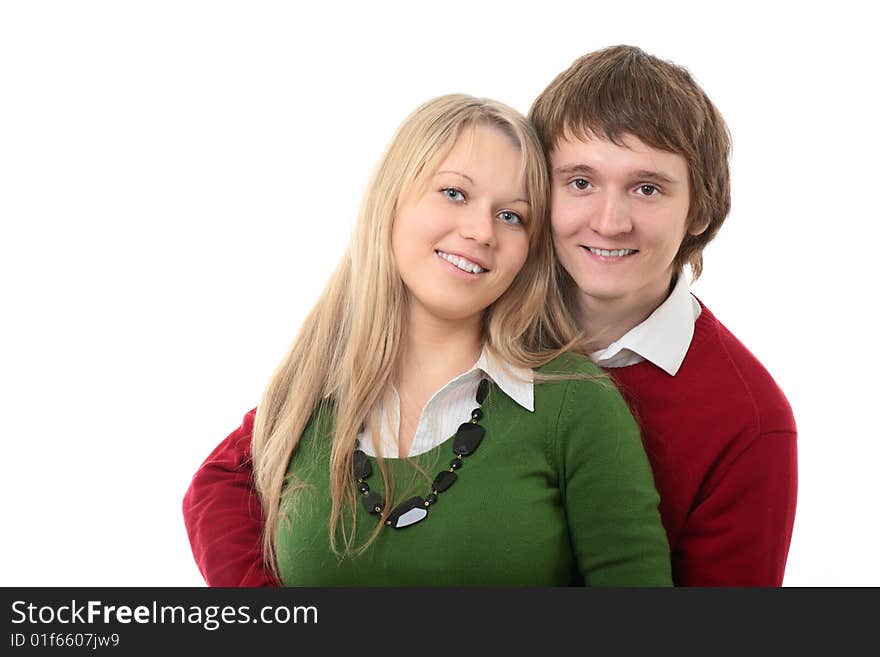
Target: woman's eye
509 217
580 184
648 190
453 194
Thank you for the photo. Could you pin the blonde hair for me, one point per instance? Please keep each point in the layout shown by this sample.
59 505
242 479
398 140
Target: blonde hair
342 354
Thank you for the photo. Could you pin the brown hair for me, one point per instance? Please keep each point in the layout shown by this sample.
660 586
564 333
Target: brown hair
621 91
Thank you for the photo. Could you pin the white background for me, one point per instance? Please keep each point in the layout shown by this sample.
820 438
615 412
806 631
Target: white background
178 179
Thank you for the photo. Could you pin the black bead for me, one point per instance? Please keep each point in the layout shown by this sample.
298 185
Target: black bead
455 464
431 499
482 391
373 501
408 513
468 438
476 414
444 480
363 488
361 465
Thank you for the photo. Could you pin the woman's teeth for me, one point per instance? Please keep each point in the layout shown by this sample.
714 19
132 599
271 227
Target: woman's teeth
614 252
461 263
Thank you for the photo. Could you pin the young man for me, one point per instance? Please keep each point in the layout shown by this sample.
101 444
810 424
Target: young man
640 184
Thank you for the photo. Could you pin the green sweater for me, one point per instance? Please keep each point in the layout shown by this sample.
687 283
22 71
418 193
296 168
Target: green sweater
562 496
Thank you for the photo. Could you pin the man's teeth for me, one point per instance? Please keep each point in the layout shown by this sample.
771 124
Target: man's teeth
613 252
461 263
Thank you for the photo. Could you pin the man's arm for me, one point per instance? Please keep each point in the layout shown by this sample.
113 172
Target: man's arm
739 533
223 515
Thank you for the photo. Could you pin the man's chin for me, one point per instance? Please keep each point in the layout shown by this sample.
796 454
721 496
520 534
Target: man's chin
603 294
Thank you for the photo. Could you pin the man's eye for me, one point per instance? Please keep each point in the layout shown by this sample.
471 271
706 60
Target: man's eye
580 184
648 190
453 194
509 217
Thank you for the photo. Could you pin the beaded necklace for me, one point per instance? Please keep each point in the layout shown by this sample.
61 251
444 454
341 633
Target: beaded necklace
415 509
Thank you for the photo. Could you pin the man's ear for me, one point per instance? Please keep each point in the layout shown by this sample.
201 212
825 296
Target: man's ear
698 227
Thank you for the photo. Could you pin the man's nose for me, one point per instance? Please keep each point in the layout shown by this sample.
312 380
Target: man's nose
611 215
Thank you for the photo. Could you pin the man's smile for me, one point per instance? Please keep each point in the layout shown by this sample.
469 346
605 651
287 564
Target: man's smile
610 253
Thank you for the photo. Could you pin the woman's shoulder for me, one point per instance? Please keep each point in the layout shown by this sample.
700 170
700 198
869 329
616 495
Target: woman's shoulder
587 419
580 386
569 363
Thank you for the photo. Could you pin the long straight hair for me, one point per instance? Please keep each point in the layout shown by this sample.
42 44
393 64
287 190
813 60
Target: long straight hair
343 355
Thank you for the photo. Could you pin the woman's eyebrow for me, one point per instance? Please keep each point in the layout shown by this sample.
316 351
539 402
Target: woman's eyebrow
457 173
467 177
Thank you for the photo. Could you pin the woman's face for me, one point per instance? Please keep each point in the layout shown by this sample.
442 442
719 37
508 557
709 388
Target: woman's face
459 244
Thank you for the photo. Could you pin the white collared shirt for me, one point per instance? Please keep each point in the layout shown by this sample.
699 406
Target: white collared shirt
663 339
450 406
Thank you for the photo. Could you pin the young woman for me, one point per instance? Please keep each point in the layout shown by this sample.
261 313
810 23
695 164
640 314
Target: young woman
430 425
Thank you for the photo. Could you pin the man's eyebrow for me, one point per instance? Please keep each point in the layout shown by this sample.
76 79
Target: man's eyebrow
587 170
654 175
457 173
569 169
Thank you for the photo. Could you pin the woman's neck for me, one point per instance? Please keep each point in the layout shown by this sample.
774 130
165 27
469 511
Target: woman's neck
435 351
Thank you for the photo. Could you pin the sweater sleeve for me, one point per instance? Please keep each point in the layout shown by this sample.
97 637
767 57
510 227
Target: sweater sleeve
608 490
223 515
740 532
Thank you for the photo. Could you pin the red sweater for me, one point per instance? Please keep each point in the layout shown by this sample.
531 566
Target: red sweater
722 441
720 435
223 515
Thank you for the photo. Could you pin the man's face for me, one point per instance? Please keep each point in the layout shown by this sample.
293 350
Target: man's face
619 215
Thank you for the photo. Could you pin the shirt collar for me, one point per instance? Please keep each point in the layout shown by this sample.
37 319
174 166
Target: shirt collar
515 382
663 338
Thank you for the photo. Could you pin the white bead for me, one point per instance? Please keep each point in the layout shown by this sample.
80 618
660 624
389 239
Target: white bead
411 517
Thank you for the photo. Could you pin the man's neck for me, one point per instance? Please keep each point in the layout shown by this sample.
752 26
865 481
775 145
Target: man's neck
608 320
